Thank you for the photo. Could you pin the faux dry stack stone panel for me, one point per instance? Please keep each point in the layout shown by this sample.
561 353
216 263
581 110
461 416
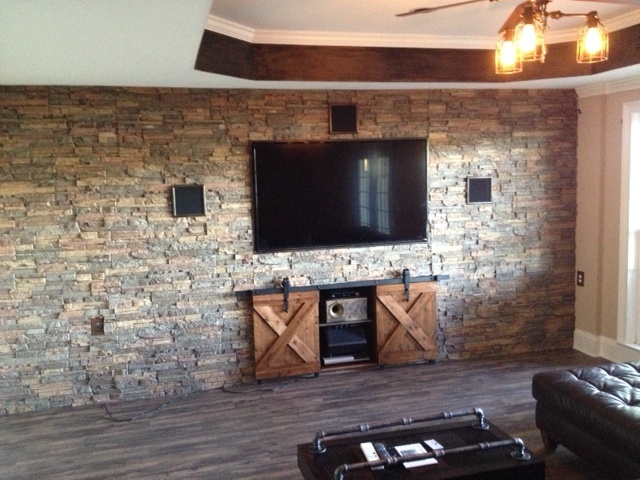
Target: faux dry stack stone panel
86 230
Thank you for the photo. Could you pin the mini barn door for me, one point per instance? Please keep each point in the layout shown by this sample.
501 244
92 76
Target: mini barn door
286 343
406 330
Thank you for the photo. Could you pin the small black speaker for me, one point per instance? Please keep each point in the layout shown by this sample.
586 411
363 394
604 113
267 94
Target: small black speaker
343 119
479 189
188 200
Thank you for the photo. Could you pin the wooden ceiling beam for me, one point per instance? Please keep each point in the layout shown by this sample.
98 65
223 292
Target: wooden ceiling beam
236 58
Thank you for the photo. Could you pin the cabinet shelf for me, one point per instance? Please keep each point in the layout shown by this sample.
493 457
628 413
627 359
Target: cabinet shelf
344 360
344 323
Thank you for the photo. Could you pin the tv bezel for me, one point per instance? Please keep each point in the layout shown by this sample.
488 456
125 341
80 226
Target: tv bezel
254 185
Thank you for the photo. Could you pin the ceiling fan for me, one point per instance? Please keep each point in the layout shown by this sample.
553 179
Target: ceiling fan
523 33
515 14
440 7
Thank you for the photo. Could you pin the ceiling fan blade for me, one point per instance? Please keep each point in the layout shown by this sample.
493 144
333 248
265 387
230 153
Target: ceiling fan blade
413 12
514 18
441 7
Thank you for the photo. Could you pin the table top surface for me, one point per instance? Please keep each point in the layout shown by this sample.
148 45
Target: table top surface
494 464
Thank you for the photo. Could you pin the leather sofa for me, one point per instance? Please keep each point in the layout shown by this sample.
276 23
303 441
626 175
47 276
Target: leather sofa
595 413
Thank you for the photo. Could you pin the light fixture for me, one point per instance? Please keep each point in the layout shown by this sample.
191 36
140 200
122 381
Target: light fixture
527 34
530 36
523 34
508 58
593 41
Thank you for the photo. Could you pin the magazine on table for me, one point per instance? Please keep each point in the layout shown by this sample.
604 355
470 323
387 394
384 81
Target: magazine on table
414 449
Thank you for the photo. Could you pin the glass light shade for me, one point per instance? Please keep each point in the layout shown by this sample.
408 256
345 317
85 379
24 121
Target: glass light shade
530 38
593 42
527 37
508 58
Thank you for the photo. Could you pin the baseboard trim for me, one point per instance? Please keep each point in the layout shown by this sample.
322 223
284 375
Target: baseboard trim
605 347
587 343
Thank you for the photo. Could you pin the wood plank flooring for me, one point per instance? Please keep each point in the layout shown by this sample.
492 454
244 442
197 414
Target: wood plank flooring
251 431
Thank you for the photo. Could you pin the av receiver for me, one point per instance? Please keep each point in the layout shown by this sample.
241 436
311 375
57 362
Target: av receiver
340 309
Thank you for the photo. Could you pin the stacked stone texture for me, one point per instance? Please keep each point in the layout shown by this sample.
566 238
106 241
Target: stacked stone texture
88 231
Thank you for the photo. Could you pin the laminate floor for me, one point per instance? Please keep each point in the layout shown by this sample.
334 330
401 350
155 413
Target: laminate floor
251 431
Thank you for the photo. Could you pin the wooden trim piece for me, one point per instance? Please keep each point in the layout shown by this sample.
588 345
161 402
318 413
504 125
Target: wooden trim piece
405 321
624 50
372 64
286 342
406 329
226 56
286 333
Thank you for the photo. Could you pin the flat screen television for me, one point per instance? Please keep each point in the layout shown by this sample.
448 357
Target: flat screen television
325 194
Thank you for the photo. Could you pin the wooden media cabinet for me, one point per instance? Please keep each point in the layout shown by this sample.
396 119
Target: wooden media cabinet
303 330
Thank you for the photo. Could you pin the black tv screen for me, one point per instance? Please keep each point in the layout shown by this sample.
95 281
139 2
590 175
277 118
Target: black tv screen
309 195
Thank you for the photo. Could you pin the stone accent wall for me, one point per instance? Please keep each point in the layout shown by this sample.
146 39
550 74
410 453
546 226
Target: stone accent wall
87 230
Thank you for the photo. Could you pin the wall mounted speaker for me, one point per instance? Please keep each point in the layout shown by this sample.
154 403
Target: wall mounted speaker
189 200
479 189
343 119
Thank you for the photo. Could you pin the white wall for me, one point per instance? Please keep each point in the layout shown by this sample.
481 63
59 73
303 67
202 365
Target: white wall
598 221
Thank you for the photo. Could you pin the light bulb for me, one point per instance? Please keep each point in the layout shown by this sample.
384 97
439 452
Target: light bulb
508 54
528 38
593 41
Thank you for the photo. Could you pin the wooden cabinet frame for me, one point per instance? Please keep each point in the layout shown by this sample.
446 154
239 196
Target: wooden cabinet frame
406 329
286 342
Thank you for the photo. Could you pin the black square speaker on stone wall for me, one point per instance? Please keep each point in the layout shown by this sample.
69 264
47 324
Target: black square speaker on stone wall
342 119
479 189
189 200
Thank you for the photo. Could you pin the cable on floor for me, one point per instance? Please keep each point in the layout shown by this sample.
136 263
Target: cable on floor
259 388
141 414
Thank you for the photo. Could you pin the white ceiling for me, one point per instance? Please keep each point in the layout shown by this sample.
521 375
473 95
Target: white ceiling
374 23
155 42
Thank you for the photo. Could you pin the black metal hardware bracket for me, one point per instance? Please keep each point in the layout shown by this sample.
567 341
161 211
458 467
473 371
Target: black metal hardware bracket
333 286
518 454
480 424
406 279
286 286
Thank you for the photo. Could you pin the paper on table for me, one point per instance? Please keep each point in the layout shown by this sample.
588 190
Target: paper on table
414 448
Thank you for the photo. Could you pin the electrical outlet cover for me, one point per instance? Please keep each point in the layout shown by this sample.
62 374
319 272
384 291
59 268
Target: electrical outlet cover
97 326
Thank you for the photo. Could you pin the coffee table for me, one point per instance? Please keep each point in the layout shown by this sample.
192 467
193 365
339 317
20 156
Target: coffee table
468 453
